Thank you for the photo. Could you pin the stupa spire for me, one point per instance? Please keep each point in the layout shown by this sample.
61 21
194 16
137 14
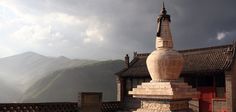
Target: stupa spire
163 9
164 37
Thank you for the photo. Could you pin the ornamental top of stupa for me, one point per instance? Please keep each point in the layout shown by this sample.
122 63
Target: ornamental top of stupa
164 37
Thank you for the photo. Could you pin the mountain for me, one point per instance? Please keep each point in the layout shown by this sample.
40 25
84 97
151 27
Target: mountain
25 69
31 77
64 85
19 72
7 93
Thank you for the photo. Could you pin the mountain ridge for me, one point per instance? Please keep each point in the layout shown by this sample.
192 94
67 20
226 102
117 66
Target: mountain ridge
23 71
96 77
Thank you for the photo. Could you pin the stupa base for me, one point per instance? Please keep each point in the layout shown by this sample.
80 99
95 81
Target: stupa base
172 96
151 105
145 110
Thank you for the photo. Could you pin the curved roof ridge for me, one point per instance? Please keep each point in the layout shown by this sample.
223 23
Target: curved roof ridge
231 55
193 49
206 48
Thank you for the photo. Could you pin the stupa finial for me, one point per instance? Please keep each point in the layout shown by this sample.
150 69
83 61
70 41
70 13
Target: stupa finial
163 11
164 37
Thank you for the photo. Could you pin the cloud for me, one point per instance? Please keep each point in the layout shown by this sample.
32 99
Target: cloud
33 34
111 28
95 32
221 35
63 18
5 51
47 32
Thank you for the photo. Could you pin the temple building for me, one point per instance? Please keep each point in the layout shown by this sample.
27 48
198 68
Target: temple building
211 70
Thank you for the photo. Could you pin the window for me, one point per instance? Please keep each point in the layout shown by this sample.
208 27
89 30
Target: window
128 85
220 92
220 80
220 86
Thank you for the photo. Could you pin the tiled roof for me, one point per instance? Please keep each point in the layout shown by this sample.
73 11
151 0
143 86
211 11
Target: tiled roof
210 59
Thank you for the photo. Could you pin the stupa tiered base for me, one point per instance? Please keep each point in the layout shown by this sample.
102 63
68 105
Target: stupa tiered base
169 96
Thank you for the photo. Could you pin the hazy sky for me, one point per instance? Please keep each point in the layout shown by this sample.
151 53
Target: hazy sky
108 29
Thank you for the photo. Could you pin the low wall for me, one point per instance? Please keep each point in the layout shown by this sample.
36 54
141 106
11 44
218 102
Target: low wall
39 107
54 107
111 106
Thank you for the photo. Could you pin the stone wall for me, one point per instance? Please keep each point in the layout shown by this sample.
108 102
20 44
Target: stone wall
219 105
228 92
230 83
194 105
234 87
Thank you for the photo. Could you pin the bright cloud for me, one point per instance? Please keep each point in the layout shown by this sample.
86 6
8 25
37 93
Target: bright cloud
48 32
95 33
221 35
64 18
5 51
32 34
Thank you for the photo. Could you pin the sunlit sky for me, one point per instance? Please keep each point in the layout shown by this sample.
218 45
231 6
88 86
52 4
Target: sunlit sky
108 29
